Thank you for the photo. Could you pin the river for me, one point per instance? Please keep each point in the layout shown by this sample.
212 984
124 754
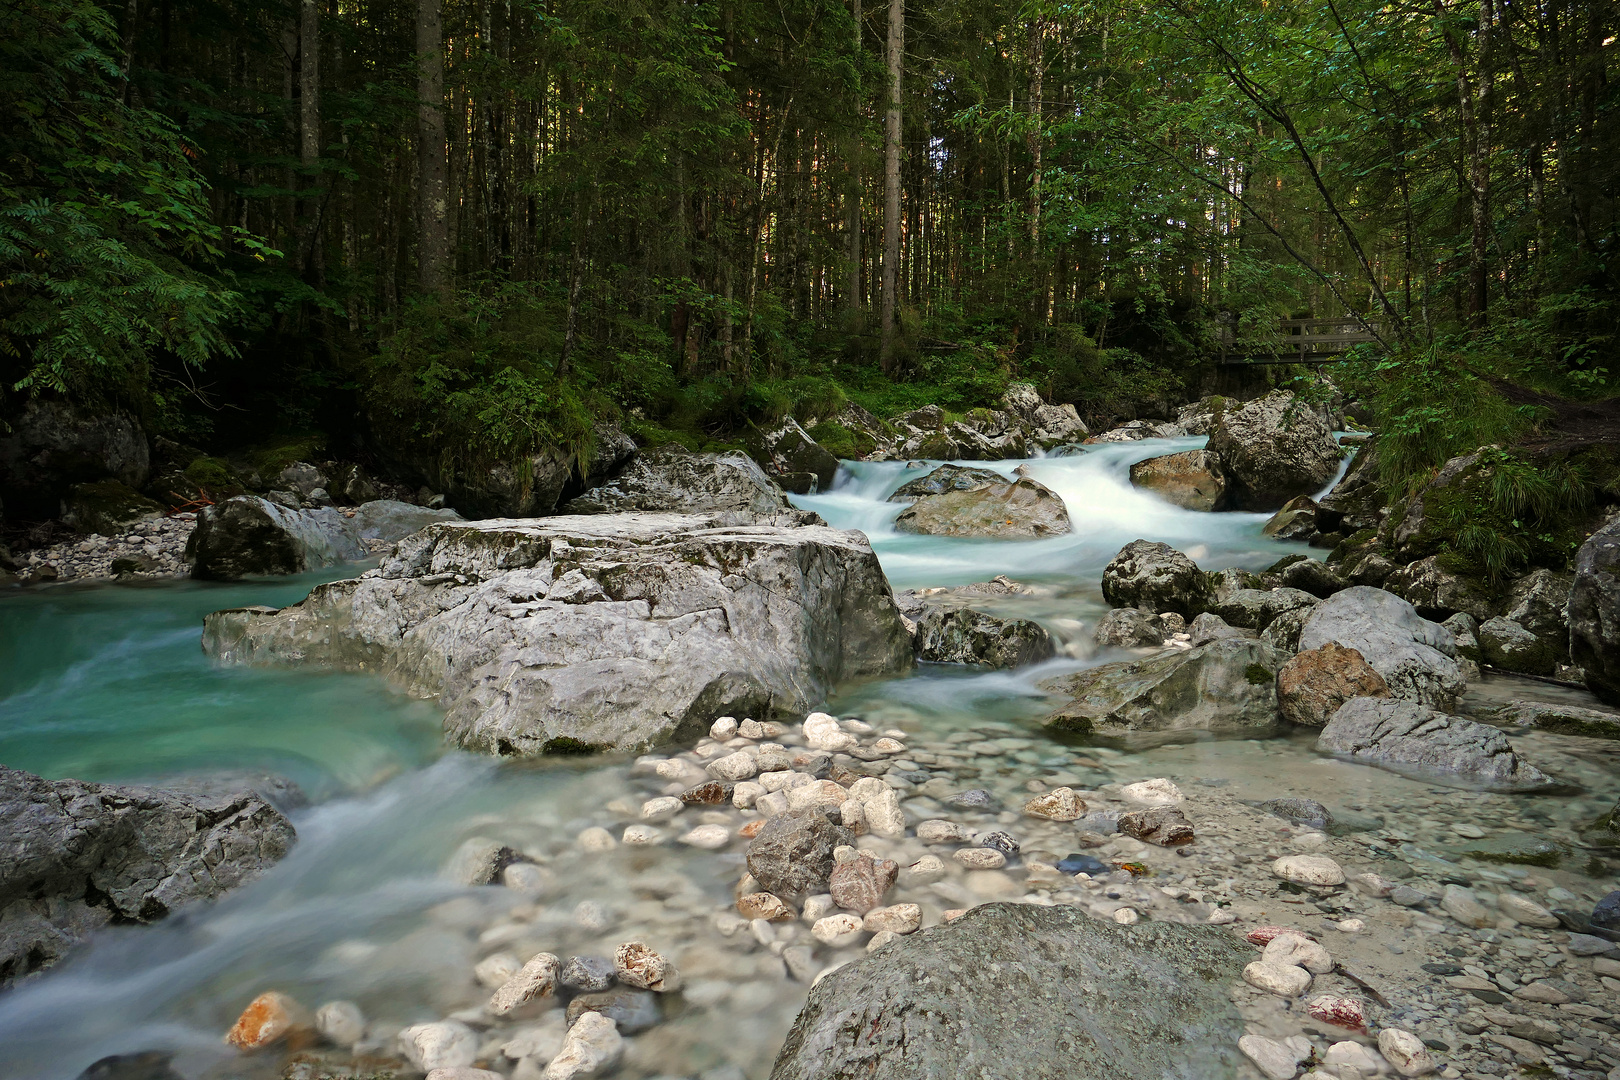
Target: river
109 683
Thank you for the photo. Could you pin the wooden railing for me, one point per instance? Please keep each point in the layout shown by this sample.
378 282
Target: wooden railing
1306 341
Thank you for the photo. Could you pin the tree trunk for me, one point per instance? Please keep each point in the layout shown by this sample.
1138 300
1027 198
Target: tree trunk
891 180
1037 64
433 239
309 133
1473 108
852 218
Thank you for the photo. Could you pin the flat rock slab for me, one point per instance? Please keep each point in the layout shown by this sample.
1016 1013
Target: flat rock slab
605 631
1018 990
1563 719
1415 740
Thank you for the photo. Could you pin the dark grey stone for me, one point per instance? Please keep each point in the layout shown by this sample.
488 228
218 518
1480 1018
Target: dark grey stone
633 1010
966 636
1014 990
1156 577
1594 612
793 854
1415 740
1000 841
587 973
1300 811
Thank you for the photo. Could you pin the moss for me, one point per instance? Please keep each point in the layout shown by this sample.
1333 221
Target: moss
210 472
1284 563
564 746
840 441
1258 674
270 459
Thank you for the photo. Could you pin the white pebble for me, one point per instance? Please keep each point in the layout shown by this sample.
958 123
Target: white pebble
889 746
895 919
940 831
1284 980
1157 792
883 814
723 728
822 732
1405 1052
1126 916
641 835
738 766
593 1044
818 907
744 794
978 858
341 1022
1272 1058
1308 870
1299 951
493 970
837 930
597 838
447 1044
661 809
707 837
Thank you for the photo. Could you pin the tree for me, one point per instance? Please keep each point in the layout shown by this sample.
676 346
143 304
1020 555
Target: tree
895 60
433 252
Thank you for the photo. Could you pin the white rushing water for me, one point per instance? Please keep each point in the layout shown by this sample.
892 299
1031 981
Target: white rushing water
108 684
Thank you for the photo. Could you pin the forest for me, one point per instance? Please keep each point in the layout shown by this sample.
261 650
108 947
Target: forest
479 226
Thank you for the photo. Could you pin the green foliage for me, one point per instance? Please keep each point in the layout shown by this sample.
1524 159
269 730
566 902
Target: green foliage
1509 512
105 229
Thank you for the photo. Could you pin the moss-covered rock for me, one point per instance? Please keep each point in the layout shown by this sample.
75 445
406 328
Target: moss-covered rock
107 507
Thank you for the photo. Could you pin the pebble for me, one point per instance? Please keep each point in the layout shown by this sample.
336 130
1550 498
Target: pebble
660 809
446 1044
1082 864
1355 1055
268 1018
980 858
818 907
896 919
888 746
1345 1012
822 732
860 884
751 729
738 766
493 970
707 837
883 814
593 1045
1350 926
1544 993
1299 951
524 877
465 1072
1157 792
1059 804
1526 912
880 939
641 835
1309 870
586 974
341 1022
837 930
1271 1057
1461 904
637 965
1126 916
999 841
1588 945
1165 826
1405 1052
925 871
712 793
940 831
973 799
1284 980
537 979
598 839
764 905
723 729
1407 896
816 793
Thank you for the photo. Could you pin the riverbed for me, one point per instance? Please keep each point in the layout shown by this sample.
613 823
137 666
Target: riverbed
108 683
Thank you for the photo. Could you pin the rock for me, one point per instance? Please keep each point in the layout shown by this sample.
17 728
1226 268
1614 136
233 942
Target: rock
1526 912
1461 904
636 965
1225 686
792 856
1356 501
494 970
1295 521
671 481
1284 980
633 1010
1272 1058
965 636
1274 448
1465 629
1507 645
1563 719
733 767
1155 577
1022 510
1437 592
1405 1052
1606 913
464 1073
1355 1055
447 1044
53 445
1312 685
1309 870
1166 826
980 858
860 884
248 536
1210 627
75 855
587 974
947 478
684 621
787 450
822 732
593 1045
1300 812
1156 792
479 861
537 979
1059 804
1129 628
1415 657
764 905
1594 612
936 1003
883 814
1413 739
1539 602
1192 479
1307 575
1256 609
997 840
341 1022
390 520
837 931
266 1020
897 919
107 507
1344 1012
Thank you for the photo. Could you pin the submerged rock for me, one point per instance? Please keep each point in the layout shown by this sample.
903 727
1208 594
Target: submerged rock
1417 658
1156 577
792 856
75 855
965 636
1050 989
1406 737
1564 719
1274 448
1192 479
573 633
1594 612
1226 686
1019 510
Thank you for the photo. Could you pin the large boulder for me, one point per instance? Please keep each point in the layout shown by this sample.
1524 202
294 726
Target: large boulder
1430 517
391 520
671 480
1156 577
1274 448
1226 686
1438 592
1048 425
1295 521
965 636
52 445
1256 609
1020 990
1129 628
248 536
1564 719
1019 510
1505 644
1192 479
1415 740
615 631
1356 501
947 478
108 507
75 856
1417 658
1594 612
1312 685
795 460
